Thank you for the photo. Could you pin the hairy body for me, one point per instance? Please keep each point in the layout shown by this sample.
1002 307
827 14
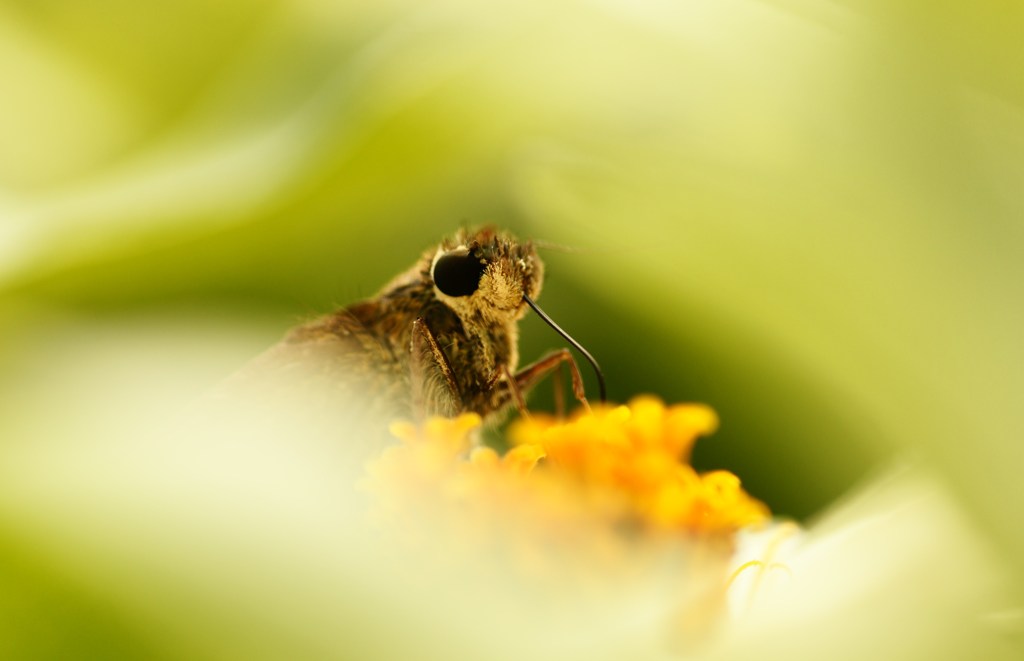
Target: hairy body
439 339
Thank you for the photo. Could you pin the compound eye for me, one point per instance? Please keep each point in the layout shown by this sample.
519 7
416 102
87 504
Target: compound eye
458 273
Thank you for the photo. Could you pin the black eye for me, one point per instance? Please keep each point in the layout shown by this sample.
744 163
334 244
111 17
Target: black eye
458 274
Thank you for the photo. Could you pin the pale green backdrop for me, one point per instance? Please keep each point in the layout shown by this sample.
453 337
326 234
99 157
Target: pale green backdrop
807 214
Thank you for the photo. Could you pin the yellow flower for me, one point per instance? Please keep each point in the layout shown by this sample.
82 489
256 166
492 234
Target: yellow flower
604 483
635 459
603 504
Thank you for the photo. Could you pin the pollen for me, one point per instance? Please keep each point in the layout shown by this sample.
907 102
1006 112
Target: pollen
621 472
635 458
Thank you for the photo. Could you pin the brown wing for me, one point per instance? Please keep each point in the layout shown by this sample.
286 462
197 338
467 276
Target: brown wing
331 381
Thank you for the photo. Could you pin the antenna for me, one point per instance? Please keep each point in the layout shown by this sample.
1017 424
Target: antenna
579 347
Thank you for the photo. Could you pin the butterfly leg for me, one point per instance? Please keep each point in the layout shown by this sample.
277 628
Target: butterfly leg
514 390
434 390
531 374
557 382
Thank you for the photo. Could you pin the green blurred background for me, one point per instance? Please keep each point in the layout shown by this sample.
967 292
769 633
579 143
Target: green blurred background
804 213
